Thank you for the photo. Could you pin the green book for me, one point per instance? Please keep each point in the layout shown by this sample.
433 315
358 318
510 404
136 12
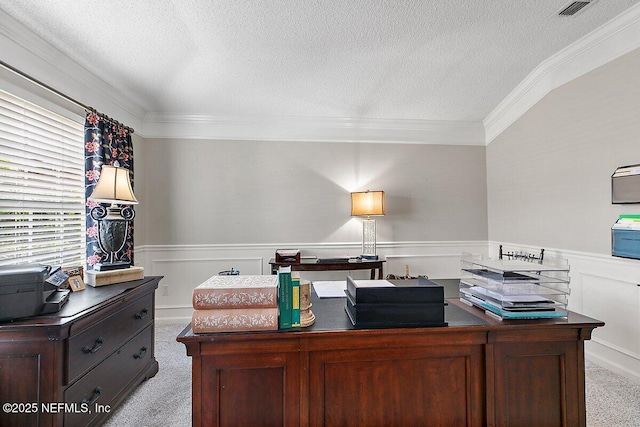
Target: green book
295 299
285 300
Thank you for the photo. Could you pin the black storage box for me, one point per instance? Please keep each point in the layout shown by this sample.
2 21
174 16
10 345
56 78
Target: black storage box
394 305
395 315
22 290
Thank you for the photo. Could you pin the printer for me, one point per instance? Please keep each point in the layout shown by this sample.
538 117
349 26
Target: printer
29 290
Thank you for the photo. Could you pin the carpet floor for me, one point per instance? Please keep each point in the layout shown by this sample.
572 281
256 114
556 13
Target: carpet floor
165 400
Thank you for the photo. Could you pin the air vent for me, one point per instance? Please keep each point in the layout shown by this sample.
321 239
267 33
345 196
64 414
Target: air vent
574 8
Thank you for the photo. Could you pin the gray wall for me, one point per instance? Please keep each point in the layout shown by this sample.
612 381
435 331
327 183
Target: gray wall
244 192
549 174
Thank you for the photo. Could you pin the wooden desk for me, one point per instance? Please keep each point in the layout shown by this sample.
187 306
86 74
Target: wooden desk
314 265
98 348
477 371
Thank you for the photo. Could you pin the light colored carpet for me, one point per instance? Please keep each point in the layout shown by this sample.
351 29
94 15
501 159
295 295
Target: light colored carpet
165 400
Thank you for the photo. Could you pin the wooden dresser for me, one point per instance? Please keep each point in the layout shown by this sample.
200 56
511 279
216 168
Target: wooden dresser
74 367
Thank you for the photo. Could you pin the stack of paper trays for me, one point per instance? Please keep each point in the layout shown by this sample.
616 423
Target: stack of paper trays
515 289
380 303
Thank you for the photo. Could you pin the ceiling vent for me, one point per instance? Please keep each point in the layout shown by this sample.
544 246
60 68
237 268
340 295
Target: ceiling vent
574 7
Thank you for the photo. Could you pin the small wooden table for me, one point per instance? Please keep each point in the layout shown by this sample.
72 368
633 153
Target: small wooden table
315 265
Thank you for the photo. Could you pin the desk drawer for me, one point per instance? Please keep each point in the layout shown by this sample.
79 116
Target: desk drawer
109 378
89 347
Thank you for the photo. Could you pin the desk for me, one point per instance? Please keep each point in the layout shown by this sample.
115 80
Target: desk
313 265
477 371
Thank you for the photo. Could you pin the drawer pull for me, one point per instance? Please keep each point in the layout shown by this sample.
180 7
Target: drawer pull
141 354
94 396
86 349
142 314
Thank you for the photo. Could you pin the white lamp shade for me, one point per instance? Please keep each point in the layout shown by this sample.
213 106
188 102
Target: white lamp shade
114 186
367 203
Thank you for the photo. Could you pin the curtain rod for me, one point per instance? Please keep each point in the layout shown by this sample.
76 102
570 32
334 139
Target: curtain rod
62 95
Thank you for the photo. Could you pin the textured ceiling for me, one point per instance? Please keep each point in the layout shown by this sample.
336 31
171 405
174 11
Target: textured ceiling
395 59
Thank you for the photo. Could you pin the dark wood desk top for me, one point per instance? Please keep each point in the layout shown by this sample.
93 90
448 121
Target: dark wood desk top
331 317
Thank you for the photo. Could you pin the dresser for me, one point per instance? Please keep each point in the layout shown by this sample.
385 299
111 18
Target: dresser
74 367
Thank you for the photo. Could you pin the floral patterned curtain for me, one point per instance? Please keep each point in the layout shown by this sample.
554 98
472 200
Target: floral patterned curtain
106 142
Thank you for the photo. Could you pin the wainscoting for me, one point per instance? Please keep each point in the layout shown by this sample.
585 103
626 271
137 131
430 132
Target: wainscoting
603 287
185 267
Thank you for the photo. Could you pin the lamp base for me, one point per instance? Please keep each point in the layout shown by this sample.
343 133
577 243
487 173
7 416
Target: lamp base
368 238
109 266
366 257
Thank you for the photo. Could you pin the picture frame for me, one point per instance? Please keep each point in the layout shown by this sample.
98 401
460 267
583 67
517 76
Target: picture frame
76 283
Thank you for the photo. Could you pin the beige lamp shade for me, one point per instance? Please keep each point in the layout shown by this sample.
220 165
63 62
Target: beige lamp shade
114 186
367 203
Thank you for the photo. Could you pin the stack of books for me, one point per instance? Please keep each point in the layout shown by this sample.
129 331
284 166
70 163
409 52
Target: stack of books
236 304
380 303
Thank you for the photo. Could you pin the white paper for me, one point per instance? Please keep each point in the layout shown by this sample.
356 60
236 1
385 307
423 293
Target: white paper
330 289
380 283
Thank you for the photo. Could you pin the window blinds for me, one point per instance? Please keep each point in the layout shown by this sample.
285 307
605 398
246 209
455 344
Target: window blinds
41 185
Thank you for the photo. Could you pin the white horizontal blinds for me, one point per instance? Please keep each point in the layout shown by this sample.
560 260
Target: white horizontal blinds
41 185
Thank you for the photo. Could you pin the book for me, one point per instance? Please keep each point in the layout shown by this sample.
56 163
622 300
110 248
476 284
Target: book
295 299
236 291
234 320
284 297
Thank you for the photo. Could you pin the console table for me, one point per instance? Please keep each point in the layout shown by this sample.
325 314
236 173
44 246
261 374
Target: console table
477 371
95 351
314 265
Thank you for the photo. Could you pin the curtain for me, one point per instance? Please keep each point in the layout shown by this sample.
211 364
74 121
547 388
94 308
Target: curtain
105 142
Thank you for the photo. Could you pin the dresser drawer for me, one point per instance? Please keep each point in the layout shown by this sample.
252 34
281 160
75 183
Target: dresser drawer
89 347
100 386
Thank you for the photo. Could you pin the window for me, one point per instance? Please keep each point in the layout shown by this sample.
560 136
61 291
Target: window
41 185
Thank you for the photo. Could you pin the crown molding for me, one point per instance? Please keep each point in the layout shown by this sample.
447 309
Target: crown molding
613 39
34 56
316 129
27 52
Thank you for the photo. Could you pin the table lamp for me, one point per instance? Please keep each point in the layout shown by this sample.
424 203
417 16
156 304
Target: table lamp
368 203
114 186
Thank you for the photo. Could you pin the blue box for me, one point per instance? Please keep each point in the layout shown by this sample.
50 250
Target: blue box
625 237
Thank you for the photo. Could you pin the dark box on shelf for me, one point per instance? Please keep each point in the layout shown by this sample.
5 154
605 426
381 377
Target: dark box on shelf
383 291
288 255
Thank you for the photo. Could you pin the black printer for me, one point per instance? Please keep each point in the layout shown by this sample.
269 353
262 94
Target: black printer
28 290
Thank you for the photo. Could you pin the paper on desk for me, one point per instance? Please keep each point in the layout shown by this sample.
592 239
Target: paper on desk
330 289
